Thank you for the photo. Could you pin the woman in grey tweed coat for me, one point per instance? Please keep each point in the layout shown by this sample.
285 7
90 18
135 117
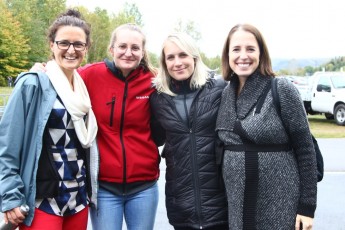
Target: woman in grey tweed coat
268 185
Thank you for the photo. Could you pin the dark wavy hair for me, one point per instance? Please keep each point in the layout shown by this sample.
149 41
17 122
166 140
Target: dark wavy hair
71 17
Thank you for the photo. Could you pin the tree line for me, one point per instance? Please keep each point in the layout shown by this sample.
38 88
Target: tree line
23 34
335 64
24 25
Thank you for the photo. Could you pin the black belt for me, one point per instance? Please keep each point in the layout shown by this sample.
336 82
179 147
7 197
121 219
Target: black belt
259 148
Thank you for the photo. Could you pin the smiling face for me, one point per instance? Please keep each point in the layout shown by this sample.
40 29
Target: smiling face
127 50
69 59
244 53
179 64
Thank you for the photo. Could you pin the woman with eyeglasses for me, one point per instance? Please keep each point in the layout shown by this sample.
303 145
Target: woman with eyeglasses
129 159
45 136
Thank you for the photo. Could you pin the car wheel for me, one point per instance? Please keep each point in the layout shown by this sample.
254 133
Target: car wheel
339 114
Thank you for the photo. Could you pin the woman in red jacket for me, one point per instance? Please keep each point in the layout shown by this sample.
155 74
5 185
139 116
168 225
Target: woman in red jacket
129 159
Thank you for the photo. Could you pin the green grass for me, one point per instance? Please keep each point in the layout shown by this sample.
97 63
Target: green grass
4 91
319 125
323 128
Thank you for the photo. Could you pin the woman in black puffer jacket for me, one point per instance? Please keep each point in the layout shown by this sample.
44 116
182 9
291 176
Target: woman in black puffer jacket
186 106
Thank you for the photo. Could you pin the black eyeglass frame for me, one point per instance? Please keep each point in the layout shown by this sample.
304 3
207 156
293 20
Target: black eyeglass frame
58 43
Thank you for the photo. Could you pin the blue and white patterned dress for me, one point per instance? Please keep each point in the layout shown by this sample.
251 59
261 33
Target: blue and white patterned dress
67 154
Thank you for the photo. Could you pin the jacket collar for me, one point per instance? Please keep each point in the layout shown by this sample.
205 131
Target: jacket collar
235 107
181 87
117 72
250 94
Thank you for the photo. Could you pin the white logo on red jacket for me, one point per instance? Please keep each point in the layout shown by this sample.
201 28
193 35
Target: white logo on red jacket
142 97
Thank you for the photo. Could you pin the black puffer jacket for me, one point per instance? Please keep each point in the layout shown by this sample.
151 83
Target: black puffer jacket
195 196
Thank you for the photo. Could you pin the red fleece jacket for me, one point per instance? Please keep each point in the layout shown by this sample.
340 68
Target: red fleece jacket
122 109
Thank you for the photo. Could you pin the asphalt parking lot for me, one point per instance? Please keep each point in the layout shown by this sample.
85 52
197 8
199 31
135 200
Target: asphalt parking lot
330 210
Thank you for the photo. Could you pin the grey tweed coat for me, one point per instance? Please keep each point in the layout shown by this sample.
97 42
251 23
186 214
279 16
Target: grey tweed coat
266 190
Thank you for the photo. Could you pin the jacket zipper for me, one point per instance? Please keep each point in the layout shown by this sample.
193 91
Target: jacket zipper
121 137
190 129
112 102
195 172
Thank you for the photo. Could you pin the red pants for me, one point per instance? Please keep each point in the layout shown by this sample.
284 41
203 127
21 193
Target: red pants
44 221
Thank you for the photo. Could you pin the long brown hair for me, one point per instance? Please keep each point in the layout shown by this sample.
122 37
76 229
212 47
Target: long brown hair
265 65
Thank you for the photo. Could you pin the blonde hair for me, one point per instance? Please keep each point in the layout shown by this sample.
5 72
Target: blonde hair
145 61
201 72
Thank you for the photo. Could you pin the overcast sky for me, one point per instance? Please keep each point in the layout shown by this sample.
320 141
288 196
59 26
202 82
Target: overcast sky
291 28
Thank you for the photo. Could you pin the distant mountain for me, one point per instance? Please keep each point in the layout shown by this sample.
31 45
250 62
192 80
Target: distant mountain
291 64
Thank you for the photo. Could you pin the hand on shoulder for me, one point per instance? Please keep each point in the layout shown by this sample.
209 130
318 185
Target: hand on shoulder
39 67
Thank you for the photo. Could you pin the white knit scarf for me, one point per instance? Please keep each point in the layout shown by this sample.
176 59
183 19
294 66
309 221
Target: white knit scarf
77 102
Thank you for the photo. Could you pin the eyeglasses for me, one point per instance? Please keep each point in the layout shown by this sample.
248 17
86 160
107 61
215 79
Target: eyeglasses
121 49
64 45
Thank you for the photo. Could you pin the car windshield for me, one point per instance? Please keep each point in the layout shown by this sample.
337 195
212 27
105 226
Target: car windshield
338 81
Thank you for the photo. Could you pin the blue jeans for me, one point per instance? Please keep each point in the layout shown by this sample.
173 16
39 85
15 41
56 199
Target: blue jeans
139 210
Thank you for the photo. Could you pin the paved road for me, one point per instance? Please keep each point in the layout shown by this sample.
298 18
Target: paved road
330 210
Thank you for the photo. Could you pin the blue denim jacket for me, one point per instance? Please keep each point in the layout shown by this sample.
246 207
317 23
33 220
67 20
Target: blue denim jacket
21 131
